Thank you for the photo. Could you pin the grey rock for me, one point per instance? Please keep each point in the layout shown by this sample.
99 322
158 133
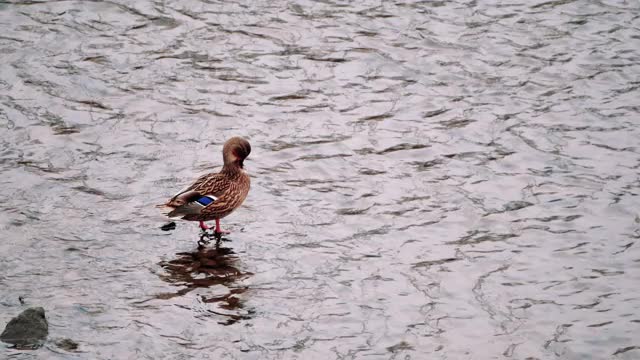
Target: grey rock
67 344
27 329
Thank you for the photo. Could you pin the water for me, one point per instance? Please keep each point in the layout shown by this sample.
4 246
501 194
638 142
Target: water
430 179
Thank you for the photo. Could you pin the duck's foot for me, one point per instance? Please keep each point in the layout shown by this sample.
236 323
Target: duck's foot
218 235
211 233
219 229
206 237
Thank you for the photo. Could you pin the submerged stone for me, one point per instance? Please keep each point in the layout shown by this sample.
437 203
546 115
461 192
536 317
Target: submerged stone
67 344
30 328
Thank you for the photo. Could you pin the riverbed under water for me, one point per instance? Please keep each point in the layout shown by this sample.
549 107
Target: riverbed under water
430 179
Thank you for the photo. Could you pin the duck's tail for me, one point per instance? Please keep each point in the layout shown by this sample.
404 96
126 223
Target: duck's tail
166 210
172 211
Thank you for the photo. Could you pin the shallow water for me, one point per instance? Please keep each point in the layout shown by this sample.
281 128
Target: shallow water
430 179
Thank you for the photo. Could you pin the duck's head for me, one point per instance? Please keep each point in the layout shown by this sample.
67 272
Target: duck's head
235 150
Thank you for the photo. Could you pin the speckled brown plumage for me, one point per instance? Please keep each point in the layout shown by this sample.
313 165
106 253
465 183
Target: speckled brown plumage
230 186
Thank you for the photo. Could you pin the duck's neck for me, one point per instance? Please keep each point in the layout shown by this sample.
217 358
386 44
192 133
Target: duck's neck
232 169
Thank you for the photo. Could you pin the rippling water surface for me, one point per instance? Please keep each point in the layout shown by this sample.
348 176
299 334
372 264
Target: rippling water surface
430 179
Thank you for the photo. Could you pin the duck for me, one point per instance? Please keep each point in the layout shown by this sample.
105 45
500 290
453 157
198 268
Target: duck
214 196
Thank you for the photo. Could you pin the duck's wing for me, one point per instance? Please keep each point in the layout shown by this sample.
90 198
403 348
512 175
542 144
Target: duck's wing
192 199
211 184
227 202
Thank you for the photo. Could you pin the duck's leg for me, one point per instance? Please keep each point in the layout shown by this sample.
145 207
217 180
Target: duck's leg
219 230
203 226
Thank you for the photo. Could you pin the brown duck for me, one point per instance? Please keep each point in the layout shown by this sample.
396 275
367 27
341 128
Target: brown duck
214 196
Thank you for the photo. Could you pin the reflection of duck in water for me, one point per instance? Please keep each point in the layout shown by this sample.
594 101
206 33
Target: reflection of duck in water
214 196
206 268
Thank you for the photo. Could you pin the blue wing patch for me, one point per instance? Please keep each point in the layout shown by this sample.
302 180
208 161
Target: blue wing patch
206 200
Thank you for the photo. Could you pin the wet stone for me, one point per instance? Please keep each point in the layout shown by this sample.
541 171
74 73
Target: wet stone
67 344
168 226
29 329
402 345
